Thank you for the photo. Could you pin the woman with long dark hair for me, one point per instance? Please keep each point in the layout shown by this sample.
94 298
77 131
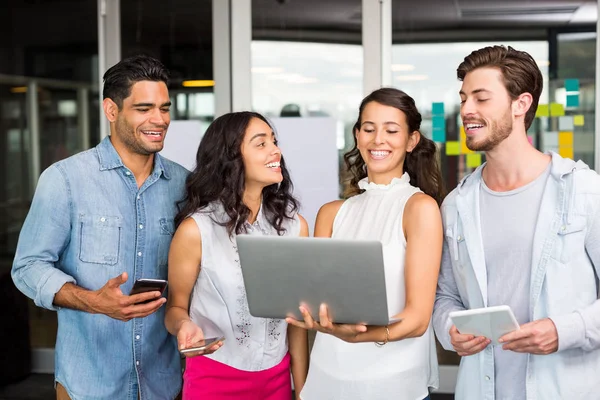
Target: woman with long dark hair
240 185
395 190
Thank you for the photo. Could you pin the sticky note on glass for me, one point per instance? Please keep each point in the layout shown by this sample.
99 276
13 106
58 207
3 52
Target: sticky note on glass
572 85
565 123
542 111
565 139
439 135
578 120
550 139
566 152
463 142
438 122
557 110
437 109
572 100
452 148
473 160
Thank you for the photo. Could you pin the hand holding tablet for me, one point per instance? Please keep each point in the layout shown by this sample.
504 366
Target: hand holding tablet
489 322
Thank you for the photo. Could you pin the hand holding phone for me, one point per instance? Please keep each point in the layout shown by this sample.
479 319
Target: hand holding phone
201 346
145 285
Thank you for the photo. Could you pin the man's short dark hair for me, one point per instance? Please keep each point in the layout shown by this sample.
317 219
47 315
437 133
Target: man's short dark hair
119 78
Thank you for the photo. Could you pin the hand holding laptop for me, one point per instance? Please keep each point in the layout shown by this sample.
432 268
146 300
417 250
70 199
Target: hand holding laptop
346 332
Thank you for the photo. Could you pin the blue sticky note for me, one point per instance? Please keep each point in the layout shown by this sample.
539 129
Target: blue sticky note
437 109
438 122
439 135
572 100
572 85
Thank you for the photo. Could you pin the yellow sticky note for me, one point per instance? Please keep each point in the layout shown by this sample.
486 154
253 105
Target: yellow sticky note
578 120
565 139
557 110
473 160
452 148
542 111
566 152
463 142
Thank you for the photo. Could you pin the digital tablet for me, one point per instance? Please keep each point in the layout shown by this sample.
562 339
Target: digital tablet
280 273
491 322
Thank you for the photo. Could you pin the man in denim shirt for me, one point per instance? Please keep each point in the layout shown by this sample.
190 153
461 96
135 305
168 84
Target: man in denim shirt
522 230
100 220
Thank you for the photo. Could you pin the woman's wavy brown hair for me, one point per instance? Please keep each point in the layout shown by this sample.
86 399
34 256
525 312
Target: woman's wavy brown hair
219 177
421 163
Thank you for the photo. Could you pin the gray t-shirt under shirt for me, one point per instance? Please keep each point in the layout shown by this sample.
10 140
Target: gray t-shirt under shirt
508 221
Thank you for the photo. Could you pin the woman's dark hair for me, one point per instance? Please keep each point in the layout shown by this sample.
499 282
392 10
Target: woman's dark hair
219 177
119 78
421 163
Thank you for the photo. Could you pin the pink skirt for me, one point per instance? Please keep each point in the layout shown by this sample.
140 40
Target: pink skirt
207 379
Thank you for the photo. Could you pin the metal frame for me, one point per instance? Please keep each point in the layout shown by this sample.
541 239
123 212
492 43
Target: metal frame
232 29
377 44
109 47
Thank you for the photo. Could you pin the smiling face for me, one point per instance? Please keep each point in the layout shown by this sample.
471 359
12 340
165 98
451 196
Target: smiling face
486 109
383 140
140 126
260 155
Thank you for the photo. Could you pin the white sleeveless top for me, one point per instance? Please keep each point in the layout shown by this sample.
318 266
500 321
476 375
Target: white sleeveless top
219 305
401 370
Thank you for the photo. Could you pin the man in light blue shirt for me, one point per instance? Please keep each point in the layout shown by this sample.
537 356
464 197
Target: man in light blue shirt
100 220
522 230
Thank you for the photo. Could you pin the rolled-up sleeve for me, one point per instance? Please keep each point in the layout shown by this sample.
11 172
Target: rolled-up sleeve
44 236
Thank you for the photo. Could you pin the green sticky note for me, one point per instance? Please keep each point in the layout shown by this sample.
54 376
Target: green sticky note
437 109
542 111
452 148
572 100
438 122
473 160
557 110
578 120
572 85
439 135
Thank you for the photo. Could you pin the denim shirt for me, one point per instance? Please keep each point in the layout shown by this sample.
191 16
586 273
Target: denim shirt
88 223
564 284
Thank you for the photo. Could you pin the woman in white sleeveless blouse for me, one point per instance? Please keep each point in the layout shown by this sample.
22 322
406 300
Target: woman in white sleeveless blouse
395 190
240 185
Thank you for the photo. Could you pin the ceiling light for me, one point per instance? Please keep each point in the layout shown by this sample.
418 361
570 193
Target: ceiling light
199 83
402 67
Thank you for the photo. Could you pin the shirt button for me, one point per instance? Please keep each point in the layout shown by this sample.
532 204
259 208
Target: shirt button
563 228
141 226
138 197
139 253
137 337
127 173
459 238
102 219
137 363
487 378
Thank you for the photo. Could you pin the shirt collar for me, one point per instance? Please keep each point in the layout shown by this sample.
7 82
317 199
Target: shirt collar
110 159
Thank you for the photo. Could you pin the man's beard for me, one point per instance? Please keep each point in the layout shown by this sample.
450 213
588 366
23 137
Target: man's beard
499 131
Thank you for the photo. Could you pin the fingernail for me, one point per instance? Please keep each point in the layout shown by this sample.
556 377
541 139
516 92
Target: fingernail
500 341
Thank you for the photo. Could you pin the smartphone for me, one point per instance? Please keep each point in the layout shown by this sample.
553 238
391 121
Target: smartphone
202 345
148 285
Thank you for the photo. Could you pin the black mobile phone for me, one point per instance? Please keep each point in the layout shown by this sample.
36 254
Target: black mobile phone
148 285
202 345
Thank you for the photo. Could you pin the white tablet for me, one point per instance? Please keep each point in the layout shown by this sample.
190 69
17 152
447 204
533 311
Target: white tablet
491 322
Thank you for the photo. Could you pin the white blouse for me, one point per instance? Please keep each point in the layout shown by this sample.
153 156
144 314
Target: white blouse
401 370
219 305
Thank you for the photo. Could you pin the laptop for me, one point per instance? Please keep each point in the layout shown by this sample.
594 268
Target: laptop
280 273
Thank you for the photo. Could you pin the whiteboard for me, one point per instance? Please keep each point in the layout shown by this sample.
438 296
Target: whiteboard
308 145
